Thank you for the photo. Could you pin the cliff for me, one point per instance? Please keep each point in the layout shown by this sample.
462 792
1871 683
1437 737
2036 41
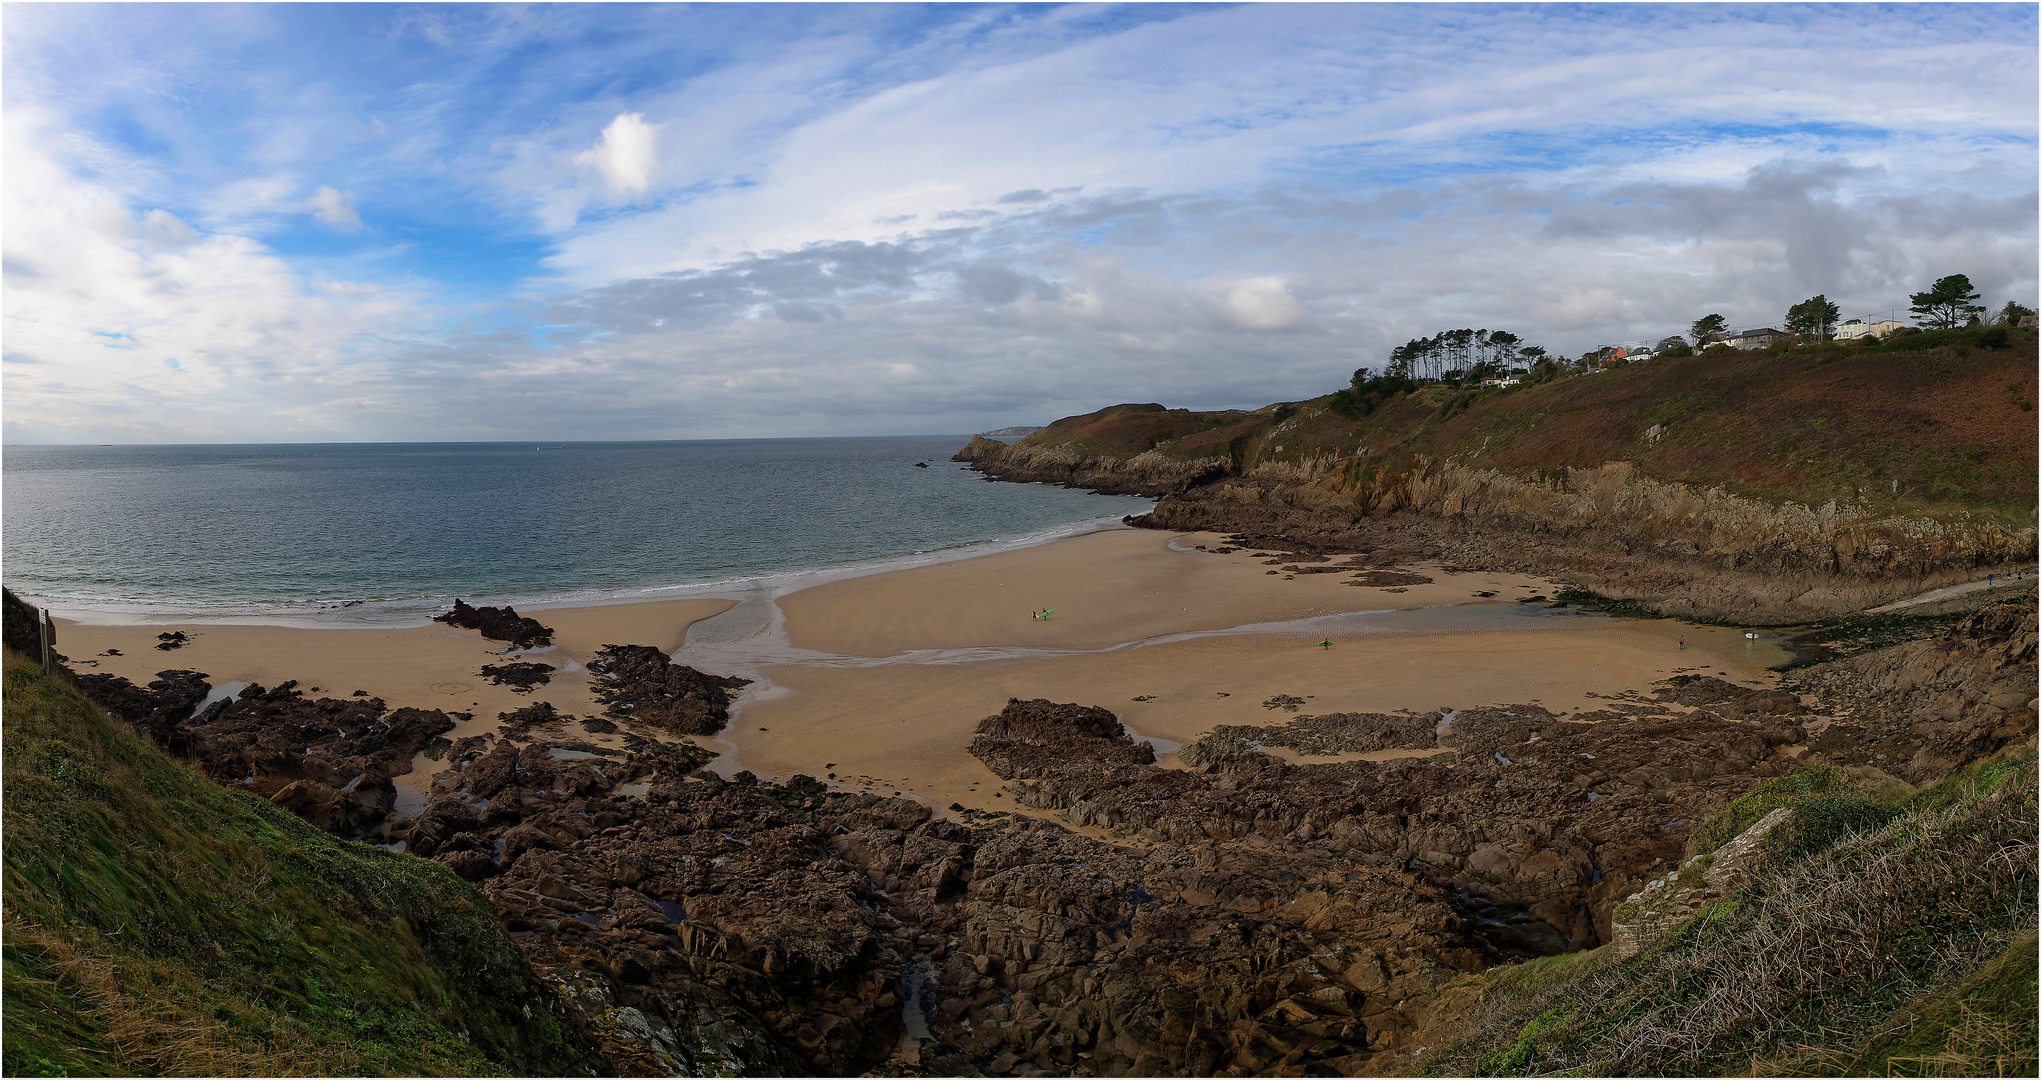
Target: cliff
1757 486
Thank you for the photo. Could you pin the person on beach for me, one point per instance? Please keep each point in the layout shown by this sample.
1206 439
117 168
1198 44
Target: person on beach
1326 644
1683 641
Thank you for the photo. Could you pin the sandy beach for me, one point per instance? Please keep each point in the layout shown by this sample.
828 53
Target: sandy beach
895 669
902 726
426 667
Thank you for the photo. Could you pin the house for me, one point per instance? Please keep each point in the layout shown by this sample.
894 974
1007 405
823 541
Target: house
1500 380
2029 320
1852 329
1761 338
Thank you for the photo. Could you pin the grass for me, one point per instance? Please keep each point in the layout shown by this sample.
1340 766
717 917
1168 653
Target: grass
159 924
1807 785
1877 939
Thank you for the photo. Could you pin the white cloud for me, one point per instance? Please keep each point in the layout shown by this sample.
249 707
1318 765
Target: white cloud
1263 303
853 232
134 325
334 208
627 155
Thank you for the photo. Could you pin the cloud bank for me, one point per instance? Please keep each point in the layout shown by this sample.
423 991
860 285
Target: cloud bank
612 222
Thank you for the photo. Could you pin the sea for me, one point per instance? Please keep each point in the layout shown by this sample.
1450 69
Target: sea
389 534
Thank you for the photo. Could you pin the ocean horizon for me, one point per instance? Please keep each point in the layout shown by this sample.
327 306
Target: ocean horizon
389 534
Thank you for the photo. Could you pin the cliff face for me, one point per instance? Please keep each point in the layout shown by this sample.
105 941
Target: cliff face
1757 487
1685 549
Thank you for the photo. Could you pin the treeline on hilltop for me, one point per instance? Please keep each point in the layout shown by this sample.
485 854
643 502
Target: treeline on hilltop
1458 357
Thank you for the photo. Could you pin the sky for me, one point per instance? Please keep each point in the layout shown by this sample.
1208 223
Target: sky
372 222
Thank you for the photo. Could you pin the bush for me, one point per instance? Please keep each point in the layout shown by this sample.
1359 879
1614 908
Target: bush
1368 393
1992 338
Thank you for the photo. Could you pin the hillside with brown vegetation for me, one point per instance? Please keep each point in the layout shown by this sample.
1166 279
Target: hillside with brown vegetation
1770 486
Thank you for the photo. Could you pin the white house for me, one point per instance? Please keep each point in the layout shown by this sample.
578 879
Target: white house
1856 328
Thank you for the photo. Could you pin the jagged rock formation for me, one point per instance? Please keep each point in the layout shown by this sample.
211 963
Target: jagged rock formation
639 682
1924 709
1623 534
499 624
328 761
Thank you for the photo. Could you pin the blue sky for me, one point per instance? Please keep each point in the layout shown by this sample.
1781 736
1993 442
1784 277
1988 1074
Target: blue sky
320 222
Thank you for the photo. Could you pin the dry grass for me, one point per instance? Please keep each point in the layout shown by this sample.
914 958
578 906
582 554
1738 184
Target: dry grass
1808 965
152 1029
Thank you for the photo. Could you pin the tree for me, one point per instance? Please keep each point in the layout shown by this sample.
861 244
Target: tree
1706 329
2012 313
1814 315
1947 304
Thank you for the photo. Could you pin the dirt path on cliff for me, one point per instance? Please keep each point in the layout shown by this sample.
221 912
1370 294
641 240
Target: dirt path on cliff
1994 584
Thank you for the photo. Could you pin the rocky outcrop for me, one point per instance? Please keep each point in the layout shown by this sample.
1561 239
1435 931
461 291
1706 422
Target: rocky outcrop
1666 902
640 683
329 761
1150 475
522 677
499 624
1924 709
1031 739
1550 820
1688 550
1142 450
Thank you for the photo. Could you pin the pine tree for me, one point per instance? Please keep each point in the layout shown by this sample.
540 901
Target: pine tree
1946 305
1814 316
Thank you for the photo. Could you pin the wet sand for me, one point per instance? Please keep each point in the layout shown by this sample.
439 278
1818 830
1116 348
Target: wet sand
1106 588
905 726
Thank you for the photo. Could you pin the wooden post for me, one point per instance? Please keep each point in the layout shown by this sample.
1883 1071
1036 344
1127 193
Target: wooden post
43 630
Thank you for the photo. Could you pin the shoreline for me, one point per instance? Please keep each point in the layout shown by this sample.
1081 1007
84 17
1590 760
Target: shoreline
348 615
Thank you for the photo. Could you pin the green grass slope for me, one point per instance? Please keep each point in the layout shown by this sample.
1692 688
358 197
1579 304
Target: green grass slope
158 924
1877 940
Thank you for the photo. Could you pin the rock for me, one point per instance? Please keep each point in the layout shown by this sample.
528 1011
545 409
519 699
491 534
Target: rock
469 864
521 677
1029 738
1666 902
499 624
638 682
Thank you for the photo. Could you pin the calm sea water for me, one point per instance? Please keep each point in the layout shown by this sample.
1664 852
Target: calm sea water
387 533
